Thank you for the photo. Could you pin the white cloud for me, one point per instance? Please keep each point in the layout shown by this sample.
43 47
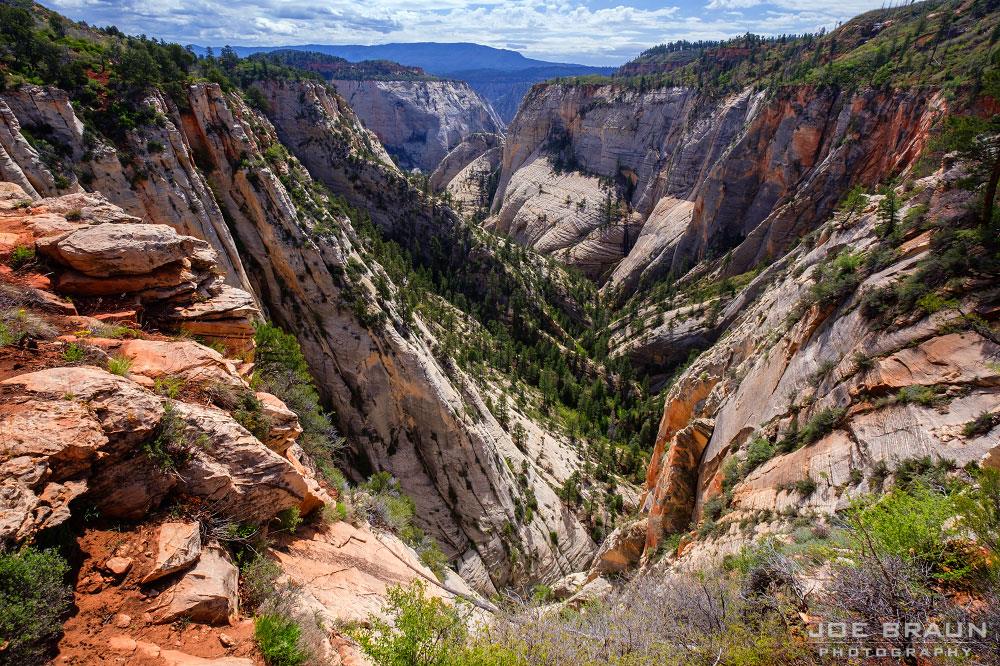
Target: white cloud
566 30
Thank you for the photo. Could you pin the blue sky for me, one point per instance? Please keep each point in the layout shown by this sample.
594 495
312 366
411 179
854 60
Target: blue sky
598 32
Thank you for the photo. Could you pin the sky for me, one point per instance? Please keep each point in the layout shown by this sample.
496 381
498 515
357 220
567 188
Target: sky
593 32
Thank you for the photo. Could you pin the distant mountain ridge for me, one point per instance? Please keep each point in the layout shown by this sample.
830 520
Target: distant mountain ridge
501 76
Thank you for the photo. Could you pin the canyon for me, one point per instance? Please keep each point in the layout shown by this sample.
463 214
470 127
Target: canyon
658 319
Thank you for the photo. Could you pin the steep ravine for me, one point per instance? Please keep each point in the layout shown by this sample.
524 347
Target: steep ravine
397 407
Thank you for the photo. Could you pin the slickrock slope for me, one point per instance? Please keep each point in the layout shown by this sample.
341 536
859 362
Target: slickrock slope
140 426
469 173
694 176
419 122
840 397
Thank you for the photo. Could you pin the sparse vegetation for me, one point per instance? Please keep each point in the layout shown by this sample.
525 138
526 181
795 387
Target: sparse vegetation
175 440
20 257
981 425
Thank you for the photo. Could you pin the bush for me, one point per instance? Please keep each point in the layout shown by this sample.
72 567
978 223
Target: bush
21 256
837 278
33 600
419 629
73 353
289 519
278 637
174 442
913 524
119 365
978 508
759 451
820 425
981 425
805 487
920 395
258 582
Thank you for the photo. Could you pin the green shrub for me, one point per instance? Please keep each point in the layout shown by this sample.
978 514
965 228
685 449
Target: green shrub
33 600
21 256
981 425
759 451
820 425
258 582
277 637
289 519
913 523
805 487
714 507
249 413
119 365
922 471
863 362
168 386
920 395
415 630
73 353
174 442
978 506
433 557
837 278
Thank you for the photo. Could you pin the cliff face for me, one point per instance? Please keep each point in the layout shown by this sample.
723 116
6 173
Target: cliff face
419 122
469 173
398 406
632 186
157 447
152 175
231 175
839 402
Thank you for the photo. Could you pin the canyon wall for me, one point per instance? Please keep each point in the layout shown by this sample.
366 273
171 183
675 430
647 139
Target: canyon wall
244 181
692 176
831 402
419 122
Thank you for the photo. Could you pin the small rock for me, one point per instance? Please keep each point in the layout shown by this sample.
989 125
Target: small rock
227 640
118 565
122 644
91 585
179 546
122 621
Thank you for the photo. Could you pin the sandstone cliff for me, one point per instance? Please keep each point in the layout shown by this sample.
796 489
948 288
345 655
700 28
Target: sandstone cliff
143 427
419 122
811 399
690 176
222 172
469 173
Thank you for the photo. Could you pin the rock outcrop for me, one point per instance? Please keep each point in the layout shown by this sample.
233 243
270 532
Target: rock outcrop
839 401
148 442
469 173
419 122
689 177
152 176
